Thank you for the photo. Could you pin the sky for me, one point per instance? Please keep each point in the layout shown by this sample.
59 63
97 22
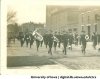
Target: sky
35 10
28 10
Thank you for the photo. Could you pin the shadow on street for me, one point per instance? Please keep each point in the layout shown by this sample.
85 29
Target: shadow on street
16 61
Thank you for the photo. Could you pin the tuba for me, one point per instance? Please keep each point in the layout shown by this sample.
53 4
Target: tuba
56 39
37 36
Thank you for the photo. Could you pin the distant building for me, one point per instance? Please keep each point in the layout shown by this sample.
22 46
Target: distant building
30 27
89 19
73 18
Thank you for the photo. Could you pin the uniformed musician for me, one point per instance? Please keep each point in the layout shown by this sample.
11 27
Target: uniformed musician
50 42
55 41
83 41
31 39
27 39
65 41
21 38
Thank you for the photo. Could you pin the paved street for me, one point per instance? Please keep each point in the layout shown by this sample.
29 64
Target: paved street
23 57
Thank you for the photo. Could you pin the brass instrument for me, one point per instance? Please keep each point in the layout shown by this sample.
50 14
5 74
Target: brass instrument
37 36
55 39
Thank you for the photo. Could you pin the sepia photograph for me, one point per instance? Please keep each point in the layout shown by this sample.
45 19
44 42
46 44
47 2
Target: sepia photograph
41 36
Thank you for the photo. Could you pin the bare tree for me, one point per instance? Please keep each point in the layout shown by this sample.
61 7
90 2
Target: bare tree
11 16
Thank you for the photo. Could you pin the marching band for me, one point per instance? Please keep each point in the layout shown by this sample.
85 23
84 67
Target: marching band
50 39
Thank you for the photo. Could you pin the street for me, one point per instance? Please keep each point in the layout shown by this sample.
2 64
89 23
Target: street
23 56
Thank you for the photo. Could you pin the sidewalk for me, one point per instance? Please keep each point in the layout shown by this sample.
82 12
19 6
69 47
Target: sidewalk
44 61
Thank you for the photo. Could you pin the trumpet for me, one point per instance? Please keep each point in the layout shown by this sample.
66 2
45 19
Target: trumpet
37 36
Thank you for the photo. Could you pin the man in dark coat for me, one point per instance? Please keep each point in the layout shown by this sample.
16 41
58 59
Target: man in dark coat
59 37
83 42
98 39
55 41
31 39
21 38
70 36
65 41
37 44
45 39
94 39
76 38
41 43
27 39
50 42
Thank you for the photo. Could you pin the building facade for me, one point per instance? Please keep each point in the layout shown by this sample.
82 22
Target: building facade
30 27
61 18
73 18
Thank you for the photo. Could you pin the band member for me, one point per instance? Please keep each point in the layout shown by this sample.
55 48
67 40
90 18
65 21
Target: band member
83 42
41 43
45 39
59 37
50 42
37 44
94 39
37 41
65 41
70 36
98 39
76 38
38 37
31 39
21 38
27 39
55 40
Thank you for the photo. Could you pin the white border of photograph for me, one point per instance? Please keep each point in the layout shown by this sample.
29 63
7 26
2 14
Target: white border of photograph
24 71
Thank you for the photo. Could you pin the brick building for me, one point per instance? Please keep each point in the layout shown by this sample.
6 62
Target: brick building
73 18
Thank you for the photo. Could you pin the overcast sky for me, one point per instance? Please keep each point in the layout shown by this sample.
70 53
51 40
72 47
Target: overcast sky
35 10
28 10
